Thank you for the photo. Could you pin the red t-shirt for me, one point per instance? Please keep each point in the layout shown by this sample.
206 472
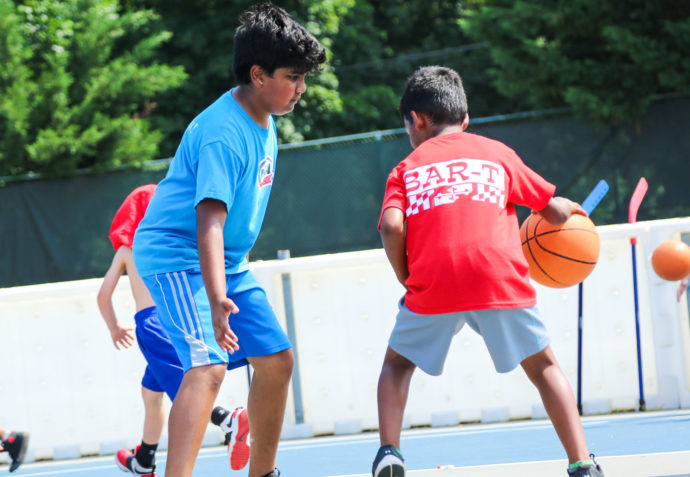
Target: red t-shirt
462 235
129 215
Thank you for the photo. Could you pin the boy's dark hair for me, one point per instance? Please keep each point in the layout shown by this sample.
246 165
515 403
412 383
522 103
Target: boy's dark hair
269 38
437 92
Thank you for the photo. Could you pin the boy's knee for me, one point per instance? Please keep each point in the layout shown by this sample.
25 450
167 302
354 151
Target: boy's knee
398 362
151 397
216 375
209 376
284 363
539 362
279 365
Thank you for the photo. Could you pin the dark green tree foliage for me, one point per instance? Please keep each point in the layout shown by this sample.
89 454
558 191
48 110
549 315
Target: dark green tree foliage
321 109
15 90
373 47
75 89
380 44
203 45
608 60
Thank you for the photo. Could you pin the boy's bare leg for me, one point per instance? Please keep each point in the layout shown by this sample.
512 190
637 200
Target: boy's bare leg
393 388
266 407
189 417
154 415
558 398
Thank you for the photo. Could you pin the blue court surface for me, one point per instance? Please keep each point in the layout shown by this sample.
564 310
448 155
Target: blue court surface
653 444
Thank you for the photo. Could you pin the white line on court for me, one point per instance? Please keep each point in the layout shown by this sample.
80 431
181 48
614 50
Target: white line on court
91 464
476 429
71 470
669 464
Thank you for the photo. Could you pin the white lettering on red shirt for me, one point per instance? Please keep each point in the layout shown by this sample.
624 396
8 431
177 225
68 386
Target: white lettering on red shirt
443 183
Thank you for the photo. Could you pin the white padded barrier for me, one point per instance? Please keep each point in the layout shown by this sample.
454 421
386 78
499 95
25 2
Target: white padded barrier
344 307
63 380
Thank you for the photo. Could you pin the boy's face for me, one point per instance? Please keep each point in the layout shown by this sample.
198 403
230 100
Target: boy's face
283 90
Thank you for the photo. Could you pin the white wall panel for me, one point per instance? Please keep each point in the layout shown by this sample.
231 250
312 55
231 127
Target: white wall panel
63 380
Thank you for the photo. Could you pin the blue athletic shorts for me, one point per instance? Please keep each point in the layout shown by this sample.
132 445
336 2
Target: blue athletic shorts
163 370
185 313
510 334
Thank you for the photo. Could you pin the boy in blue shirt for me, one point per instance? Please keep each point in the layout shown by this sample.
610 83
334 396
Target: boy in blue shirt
205 216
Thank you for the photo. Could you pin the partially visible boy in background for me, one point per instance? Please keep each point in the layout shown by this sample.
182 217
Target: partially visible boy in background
163 370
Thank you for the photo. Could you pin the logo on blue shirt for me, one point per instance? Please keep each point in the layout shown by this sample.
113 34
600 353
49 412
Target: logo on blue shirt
265 172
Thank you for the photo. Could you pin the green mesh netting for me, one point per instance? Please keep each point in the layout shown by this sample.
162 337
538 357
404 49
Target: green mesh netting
327 194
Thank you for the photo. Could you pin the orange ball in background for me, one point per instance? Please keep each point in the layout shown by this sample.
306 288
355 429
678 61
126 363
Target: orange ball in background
560 256
671 260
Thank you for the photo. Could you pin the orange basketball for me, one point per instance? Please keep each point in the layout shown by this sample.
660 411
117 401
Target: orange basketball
671 260
560 256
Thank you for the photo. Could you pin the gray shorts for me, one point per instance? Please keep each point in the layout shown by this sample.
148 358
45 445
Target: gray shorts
510 334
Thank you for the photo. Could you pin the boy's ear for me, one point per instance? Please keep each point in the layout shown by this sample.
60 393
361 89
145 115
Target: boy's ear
419 120
465 122
257 73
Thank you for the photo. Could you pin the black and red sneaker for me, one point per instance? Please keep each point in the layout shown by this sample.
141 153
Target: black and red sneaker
237 439
127 462
15 445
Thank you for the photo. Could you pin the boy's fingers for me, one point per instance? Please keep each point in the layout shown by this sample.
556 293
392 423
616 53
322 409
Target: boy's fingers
233 307
232 334
231 339
226 338
229 346
576 208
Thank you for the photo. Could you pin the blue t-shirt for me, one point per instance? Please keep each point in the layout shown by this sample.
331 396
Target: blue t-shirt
225 155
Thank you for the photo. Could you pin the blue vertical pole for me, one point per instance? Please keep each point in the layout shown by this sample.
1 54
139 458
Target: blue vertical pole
579 348
637 328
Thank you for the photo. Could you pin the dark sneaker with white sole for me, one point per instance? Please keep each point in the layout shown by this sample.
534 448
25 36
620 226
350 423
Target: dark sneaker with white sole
389 462
587 469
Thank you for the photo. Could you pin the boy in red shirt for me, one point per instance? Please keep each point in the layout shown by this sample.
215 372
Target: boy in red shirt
164 371
450 231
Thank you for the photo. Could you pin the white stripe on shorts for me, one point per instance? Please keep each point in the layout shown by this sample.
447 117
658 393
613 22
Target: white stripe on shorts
198 350
181 326
180 295
194 310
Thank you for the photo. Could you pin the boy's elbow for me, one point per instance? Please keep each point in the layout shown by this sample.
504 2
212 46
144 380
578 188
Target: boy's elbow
102 298
391 229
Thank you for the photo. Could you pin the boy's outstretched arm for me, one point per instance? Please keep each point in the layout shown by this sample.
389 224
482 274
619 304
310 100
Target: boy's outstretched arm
210 220
393 237
121 335
559 209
